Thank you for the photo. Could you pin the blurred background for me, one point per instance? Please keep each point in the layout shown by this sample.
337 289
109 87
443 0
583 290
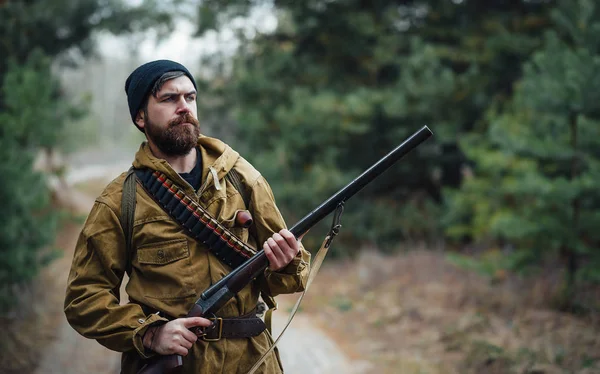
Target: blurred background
476 253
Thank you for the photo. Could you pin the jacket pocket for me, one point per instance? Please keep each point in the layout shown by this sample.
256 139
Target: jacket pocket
166 268
163 253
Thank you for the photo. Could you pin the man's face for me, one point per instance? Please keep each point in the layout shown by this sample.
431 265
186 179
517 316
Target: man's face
171 120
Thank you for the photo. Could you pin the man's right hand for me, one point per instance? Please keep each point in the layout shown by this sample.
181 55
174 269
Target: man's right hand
174 337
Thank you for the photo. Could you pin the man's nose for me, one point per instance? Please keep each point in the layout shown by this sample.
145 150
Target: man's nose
183 106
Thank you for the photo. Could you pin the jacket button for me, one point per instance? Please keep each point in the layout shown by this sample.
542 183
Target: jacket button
161 253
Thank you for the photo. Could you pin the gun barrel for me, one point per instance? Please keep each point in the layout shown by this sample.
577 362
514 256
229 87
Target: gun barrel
359 182
241 276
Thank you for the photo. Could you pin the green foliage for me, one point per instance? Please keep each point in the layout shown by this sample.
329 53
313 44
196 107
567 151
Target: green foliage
62 25
510 89
63 29
29 223
343 304
35 37
339 84
533 183
47 125
494 263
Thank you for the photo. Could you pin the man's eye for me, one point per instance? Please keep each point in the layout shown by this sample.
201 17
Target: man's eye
191 98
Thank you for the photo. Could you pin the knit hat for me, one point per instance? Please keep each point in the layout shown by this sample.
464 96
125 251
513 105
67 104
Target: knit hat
141 80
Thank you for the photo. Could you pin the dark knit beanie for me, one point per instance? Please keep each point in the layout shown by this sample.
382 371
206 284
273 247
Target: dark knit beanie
141 80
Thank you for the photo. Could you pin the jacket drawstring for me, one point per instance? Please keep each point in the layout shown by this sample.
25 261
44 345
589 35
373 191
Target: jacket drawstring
213 172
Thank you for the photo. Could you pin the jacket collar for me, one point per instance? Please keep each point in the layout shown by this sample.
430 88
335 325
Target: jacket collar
217 159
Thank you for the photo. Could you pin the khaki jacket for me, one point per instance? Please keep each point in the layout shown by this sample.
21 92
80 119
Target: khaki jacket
170 270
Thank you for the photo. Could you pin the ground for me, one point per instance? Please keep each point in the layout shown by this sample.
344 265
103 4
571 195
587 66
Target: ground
415 312
411 312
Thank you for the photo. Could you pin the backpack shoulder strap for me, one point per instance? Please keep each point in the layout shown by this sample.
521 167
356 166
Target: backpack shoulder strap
234 177
128 212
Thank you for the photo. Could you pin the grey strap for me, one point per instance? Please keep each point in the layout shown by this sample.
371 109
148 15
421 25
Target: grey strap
128 212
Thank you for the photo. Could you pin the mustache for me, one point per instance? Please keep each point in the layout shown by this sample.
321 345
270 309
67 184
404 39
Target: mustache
183 119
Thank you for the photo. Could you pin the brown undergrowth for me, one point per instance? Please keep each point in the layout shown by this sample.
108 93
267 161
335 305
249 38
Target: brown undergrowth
31 326
415 312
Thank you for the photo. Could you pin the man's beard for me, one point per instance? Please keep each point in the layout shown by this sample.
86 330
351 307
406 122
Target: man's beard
177 139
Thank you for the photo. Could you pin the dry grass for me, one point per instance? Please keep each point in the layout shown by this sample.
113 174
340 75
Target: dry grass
417 313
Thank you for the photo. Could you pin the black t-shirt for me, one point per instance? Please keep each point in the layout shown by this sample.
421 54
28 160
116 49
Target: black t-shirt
194 177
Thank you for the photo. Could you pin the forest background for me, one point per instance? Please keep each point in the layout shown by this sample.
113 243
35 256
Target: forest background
313 93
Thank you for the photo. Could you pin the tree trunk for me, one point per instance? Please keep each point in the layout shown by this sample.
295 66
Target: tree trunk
572 263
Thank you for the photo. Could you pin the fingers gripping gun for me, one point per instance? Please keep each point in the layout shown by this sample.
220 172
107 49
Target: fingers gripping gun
218 294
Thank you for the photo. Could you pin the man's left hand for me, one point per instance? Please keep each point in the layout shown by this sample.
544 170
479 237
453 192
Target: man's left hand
281 249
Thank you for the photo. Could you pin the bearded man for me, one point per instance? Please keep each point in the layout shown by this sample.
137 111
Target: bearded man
168 268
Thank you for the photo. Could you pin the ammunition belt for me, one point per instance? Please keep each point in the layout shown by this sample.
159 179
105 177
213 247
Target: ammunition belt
199 224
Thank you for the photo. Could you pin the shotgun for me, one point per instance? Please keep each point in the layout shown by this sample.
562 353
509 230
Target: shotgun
213 298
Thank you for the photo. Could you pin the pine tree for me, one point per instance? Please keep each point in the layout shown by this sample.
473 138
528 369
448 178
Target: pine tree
536 169
338 84
35 114
31 112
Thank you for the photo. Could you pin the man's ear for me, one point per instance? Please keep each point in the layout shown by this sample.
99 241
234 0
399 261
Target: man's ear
139 119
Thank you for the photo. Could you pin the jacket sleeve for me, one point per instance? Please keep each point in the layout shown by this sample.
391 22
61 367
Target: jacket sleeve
268 220
92 304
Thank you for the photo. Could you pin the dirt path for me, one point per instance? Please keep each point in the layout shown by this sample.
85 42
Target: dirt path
71 353
304 348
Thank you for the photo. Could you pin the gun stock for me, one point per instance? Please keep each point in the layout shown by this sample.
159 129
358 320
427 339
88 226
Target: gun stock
219 293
